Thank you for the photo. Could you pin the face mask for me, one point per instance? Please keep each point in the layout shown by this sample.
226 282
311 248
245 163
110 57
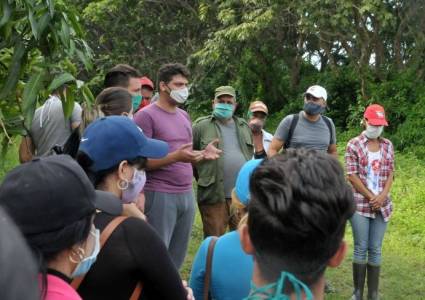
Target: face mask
134 188
313 109
84 266
136 99
373 132
256 125
180 96
223 111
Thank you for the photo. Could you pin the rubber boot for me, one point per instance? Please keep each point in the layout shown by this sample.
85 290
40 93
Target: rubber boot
373 282
359 275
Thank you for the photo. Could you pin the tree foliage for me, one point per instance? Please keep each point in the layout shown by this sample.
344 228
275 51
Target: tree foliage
362 51
42 47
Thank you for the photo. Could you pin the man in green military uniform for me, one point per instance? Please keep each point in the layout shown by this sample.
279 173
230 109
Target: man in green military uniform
216 178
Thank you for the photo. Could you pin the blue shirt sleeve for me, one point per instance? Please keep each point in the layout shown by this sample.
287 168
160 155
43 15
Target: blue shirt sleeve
198 269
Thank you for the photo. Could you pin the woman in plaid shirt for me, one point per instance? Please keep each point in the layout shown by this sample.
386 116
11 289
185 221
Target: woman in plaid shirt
369 161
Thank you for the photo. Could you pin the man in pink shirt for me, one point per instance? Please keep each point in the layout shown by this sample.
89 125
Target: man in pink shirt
169 205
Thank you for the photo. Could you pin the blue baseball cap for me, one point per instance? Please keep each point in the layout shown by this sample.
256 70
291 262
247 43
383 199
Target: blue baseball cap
242 181
110 140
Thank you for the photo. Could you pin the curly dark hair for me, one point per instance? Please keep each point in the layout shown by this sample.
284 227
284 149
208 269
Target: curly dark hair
168 71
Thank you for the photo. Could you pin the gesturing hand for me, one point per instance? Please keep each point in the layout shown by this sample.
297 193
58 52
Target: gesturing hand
211 152
186 154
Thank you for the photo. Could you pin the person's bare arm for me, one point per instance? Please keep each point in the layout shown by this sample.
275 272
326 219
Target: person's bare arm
358 185
332 150
26 149
75 125
183 154
257 139
378 200
275 146
76 116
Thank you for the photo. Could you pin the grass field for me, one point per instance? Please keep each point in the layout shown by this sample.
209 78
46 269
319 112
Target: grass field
403 269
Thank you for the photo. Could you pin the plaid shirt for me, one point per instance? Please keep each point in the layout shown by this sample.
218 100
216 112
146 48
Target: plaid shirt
356 162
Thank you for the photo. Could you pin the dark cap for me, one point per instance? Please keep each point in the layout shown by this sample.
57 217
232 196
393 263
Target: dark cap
47 194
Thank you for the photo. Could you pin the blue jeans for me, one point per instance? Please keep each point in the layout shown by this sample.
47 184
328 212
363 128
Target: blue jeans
368 235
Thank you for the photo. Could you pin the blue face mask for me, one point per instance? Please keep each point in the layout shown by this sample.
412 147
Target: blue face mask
223 111
84 266
312 108
136 100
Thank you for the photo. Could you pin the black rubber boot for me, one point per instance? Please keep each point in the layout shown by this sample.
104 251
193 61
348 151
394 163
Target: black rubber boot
373 282
359 275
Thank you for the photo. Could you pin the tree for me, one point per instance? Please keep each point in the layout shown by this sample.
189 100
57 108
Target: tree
42 47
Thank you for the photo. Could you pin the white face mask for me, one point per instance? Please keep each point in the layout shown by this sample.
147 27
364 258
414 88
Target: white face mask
373 132
180 96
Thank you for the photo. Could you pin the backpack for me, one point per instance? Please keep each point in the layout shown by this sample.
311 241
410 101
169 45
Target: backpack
294 123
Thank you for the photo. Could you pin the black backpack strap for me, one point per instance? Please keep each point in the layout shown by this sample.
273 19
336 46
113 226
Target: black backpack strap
294 122
328 123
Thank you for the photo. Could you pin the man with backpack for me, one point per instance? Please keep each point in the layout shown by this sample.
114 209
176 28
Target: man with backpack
307 129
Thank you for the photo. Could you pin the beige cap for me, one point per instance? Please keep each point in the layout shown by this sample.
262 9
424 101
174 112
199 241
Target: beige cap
258 106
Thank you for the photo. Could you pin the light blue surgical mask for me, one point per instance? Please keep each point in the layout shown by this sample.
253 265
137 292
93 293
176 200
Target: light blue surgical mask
223 111
84 266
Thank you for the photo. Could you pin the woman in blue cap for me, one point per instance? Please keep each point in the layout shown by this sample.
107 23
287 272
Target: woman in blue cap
133 263
231 269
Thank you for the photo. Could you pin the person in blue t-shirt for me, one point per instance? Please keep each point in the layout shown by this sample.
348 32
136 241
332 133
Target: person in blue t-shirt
231 269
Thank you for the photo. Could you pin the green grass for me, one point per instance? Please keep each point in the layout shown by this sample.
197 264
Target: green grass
403 268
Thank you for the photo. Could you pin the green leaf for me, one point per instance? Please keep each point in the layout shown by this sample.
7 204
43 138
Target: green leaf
14 69
69 66
60 80
87 95
75 23
31 91
7 12
84 59
71 47
67 98
64 33
33 22
42 23
51 5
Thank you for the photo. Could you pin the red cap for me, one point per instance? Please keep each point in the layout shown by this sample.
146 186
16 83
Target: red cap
146 81
375 115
